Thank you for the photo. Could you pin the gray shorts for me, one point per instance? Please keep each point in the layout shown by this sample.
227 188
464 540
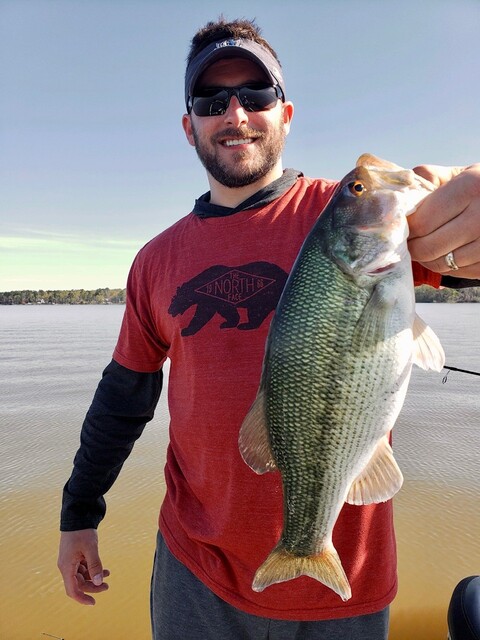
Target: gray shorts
183 608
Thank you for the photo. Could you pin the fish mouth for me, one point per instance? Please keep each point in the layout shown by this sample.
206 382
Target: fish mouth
384 269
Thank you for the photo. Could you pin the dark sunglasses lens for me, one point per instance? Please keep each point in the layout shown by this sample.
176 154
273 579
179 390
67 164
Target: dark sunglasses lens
251 99
258 99
211 105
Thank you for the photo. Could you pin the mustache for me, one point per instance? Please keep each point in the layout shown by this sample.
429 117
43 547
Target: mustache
240 132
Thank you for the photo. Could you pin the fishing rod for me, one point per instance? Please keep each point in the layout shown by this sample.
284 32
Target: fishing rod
472 373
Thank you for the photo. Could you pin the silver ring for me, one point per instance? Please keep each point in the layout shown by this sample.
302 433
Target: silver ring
450 261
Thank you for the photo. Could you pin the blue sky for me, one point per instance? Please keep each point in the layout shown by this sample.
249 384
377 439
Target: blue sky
93 159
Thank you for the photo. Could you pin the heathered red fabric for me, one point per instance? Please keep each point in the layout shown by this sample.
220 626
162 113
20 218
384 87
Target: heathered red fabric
202 294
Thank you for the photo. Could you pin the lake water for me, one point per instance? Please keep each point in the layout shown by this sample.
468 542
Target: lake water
50 361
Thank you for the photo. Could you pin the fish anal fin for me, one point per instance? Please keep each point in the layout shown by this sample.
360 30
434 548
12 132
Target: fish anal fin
282 565
427 351
380 480
253 439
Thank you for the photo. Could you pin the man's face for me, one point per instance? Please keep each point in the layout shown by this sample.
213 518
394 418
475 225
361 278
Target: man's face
239 147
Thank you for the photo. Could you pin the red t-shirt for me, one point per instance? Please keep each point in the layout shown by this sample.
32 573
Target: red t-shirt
203 293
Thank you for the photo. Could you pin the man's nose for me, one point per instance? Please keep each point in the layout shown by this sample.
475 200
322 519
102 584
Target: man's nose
235 115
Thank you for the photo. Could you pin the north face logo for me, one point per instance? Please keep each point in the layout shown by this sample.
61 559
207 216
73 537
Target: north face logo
235 286
222 290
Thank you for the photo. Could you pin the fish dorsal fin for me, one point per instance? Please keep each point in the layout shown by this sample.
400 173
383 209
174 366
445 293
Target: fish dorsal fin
253 439
380 480
427 351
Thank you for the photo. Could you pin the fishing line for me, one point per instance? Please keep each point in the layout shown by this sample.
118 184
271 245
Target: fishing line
473 373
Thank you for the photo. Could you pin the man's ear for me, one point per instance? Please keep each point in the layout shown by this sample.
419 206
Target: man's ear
288 111
187 127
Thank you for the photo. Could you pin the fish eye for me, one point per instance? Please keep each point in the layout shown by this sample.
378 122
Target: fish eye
356 188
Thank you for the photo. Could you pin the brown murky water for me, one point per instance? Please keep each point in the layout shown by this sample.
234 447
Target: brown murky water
50 362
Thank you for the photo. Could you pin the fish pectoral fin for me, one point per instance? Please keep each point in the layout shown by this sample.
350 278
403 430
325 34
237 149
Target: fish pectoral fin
380 480
282 565
374 323
427 351
253 440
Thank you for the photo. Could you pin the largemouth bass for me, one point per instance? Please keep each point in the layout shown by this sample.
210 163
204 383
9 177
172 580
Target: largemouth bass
336 369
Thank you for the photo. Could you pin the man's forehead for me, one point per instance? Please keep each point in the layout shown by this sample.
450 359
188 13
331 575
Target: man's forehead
219 72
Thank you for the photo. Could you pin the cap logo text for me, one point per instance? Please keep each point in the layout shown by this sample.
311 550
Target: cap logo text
226 43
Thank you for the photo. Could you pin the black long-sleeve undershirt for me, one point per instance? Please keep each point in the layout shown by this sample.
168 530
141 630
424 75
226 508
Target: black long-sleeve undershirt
124 402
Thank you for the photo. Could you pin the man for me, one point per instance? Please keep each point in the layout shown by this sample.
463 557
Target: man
202 293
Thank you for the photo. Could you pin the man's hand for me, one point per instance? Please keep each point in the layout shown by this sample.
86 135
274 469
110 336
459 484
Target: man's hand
447 222
80 565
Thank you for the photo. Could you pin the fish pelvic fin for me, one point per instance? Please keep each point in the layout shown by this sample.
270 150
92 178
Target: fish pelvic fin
428 352
253 440
380 480
282 565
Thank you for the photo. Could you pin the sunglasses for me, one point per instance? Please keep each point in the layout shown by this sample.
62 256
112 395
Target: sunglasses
214 101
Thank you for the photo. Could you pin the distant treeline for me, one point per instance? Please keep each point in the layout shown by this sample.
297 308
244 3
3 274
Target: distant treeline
72 296
429 294
117 296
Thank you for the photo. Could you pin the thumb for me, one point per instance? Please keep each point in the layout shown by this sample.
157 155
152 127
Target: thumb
94 566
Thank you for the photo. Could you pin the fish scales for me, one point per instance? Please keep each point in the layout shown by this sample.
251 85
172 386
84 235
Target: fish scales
336 369
316 398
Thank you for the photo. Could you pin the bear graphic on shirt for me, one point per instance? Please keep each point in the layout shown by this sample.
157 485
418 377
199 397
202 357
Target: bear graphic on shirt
222 290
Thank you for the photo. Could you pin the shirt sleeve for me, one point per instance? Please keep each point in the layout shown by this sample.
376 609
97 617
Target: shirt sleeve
459 283
124 402
422 275
140 346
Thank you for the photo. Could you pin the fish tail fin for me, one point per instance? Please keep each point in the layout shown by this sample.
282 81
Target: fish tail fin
326 567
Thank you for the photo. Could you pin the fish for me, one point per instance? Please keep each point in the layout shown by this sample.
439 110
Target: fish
336 368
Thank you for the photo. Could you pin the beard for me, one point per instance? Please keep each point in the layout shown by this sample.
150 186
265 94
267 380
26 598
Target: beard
243 169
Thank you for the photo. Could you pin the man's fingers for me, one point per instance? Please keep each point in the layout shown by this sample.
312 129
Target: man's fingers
448 220
437 174
78 584
75 585
80 565
87 586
